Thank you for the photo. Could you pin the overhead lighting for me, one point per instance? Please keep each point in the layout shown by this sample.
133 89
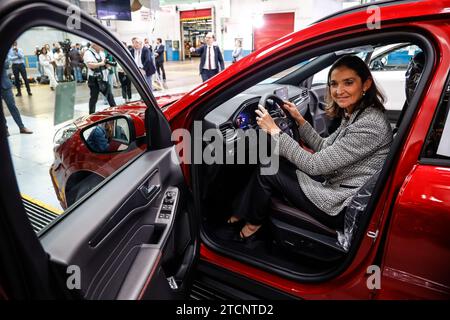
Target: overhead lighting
258 21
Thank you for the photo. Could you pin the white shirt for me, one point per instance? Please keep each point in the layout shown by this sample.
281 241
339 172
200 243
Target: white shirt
60 59
138 58
213 58
45 59
92 56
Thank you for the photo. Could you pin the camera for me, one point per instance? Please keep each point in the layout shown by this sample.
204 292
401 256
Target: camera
65 45
111 63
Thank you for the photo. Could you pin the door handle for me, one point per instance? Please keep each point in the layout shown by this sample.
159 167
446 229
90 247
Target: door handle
150 191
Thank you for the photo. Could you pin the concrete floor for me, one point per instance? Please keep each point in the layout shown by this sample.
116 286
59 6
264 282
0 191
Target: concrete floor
33 154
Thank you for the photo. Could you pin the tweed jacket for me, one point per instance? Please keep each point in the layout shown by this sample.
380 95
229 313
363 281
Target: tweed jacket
346 159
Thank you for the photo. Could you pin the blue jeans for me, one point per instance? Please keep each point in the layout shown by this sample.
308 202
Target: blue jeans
77 74
60 73
8 97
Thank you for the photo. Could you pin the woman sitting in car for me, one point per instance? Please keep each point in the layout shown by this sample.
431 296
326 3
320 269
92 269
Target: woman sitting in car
322 183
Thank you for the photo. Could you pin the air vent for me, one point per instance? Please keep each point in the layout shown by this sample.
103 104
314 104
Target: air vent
228 132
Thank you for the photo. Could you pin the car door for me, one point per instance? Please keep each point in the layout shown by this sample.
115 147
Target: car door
132 236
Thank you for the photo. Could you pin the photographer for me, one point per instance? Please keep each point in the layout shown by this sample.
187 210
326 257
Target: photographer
95 60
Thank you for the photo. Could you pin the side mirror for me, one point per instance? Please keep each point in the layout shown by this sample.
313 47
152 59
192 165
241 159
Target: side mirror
377 65
114 134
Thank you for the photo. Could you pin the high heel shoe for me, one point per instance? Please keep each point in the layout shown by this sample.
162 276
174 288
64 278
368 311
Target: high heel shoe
249 240
227 230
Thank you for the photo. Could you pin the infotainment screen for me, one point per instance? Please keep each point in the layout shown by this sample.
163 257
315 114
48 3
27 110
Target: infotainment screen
282 93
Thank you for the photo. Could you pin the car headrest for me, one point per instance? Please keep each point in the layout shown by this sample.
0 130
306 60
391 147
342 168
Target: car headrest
355 210
413 73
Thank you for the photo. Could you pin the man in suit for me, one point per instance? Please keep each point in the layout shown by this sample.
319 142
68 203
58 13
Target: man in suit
144 59
211 61
7 96
159 54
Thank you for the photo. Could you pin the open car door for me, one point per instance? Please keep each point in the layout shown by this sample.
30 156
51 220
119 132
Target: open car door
133 235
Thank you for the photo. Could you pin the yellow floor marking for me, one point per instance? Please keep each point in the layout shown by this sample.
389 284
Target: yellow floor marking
42 204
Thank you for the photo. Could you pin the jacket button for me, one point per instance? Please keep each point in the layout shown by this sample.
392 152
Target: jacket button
335 172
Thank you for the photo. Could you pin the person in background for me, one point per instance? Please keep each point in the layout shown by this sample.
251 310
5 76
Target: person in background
75 62
144 60
211 59
45 60
37 52
110 66
125 83
148 44
17 58
7 96
95 60
237 52
60 60
159 58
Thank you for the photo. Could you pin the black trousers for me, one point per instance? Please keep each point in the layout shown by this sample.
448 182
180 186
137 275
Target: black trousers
207 74
160 69
125 83
95 90
254 202
19 68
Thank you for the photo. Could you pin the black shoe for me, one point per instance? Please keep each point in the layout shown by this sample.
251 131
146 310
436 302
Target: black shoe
30 94
228 230
18 94
251 239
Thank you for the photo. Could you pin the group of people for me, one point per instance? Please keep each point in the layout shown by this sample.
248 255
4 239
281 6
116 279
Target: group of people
100 66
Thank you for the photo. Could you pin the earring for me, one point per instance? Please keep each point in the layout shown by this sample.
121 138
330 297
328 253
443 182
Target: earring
364 93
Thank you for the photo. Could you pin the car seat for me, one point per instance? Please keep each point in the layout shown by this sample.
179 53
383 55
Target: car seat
300 233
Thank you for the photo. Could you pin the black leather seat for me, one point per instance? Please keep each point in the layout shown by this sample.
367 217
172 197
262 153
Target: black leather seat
285 212
299 232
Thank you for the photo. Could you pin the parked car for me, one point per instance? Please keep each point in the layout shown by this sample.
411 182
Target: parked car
149 226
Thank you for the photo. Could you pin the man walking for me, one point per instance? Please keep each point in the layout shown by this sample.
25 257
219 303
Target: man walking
211 61
159 54
8 97
16 57
144 60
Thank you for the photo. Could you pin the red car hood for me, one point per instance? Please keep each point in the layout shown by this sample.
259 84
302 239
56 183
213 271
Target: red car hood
134 109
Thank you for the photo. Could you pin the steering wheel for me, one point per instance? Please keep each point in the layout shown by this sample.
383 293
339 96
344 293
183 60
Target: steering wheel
282 119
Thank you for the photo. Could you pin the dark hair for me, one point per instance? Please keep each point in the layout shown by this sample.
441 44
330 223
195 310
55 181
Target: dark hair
372 97
159 39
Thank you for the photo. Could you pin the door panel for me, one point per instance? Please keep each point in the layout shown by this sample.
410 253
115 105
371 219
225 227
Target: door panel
119 240
417 257
120 262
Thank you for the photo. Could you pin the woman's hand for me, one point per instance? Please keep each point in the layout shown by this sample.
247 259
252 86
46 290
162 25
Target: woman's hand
265 121
293 111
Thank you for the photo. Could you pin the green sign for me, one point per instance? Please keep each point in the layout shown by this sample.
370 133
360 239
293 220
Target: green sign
64 102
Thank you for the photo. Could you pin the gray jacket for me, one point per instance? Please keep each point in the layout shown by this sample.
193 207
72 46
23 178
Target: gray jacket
346 159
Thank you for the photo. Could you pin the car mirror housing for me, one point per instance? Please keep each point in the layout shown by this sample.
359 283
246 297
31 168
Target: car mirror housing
110 135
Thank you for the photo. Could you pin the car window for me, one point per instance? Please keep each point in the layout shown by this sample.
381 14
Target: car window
57 90
437 145
393 60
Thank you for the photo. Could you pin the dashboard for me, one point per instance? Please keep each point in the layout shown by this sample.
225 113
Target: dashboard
239 111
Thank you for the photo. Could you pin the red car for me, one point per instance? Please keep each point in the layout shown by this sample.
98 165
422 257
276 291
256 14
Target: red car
75 162
149 230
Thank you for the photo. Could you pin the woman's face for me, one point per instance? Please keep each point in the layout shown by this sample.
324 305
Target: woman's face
346 87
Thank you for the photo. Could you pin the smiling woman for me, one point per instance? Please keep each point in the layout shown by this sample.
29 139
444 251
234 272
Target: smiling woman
346 160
